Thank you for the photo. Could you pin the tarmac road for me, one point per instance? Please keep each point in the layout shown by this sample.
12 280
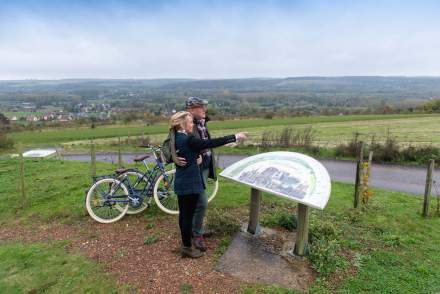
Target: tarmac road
386 176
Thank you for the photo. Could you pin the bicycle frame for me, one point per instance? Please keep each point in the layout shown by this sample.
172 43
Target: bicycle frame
150 176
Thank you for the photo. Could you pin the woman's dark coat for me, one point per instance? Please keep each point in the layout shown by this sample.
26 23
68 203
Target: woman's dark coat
188 179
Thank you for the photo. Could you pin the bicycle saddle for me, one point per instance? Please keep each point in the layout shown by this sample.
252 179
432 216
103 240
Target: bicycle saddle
121 170
141 158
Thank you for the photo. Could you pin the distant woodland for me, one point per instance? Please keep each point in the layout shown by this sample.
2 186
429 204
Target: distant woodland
263 97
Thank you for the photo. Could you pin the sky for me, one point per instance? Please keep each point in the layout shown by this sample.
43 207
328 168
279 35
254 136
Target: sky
217 39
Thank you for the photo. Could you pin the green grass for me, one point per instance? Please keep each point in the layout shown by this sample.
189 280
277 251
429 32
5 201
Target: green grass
151 239
260 289
55 190
390 246
42 268
327 127
186 288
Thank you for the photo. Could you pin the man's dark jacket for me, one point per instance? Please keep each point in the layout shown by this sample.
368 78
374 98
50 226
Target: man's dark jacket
212 167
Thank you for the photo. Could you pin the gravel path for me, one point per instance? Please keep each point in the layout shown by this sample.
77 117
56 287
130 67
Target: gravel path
120 249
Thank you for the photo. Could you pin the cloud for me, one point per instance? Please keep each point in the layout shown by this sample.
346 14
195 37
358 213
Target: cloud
236 39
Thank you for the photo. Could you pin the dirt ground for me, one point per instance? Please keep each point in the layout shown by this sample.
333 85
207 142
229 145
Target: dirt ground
120 249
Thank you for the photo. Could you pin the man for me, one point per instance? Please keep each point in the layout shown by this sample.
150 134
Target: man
197 107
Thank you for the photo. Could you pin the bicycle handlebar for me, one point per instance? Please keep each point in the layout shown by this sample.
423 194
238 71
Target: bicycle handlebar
157 148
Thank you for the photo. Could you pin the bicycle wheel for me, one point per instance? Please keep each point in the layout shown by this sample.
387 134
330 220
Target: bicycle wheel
107 200
164 195
139 183
211 188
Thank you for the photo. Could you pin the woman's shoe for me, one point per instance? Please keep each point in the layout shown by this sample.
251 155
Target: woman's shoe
190 252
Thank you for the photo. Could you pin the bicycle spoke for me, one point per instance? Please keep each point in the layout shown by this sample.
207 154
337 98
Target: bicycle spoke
106 200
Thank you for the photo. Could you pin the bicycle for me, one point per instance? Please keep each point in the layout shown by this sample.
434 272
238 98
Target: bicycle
129 191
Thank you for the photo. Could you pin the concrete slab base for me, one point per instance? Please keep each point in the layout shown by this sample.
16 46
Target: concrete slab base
266 259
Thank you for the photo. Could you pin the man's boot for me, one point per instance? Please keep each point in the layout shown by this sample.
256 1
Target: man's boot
199 243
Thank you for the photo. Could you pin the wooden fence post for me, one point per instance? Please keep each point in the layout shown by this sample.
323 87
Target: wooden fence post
302 234
92 158
370 159
365 179
59 155
119 153
254 226
438 198
360 159
24 200
217 159
428 187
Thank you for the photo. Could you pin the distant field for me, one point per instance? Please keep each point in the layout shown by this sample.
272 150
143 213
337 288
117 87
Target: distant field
19 114
407 131
329 130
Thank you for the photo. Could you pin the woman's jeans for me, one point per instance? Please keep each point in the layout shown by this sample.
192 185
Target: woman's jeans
187 206
202 205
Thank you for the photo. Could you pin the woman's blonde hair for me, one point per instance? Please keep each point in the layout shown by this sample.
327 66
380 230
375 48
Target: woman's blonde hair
178 120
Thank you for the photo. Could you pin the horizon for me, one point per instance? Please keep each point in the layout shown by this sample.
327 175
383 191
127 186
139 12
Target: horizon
96 39
220 79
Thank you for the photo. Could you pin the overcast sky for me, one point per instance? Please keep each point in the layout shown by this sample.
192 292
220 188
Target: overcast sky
217 39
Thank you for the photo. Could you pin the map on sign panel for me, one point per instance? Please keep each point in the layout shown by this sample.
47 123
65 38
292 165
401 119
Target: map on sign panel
290 175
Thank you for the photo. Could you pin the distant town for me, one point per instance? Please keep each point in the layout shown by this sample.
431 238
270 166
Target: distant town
27 111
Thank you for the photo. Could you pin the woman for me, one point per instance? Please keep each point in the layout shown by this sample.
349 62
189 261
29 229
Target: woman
188 182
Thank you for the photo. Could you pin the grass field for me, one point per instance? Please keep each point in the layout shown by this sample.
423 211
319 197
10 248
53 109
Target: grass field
386 248
42 268
329 130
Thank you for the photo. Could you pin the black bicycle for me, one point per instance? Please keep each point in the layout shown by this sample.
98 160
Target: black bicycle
129 191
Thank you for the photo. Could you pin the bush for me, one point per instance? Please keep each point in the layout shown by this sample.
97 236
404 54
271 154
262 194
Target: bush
222 223
313 149
269 115
5 142
387 152
325 247
289 137
351 149
288 221
322 230
420 154
283 219
324 256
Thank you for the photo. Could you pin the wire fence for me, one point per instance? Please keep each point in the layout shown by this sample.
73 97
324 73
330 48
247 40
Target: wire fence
402 138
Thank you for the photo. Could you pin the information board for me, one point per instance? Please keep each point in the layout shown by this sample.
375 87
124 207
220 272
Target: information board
291 175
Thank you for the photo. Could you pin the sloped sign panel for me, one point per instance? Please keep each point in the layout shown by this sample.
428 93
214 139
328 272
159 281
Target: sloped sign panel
291 175
39 153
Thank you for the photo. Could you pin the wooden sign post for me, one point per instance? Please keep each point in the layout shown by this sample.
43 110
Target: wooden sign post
254 211
302 234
